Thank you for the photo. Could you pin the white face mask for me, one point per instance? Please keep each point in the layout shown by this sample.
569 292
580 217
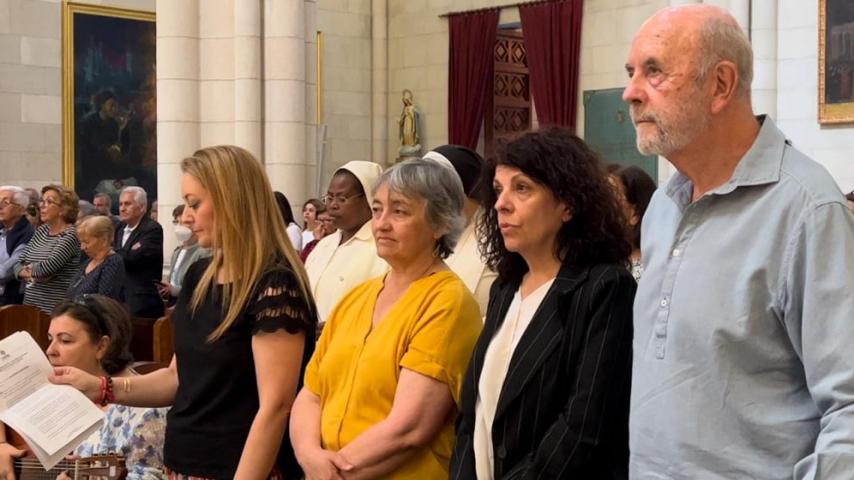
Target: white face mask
182 233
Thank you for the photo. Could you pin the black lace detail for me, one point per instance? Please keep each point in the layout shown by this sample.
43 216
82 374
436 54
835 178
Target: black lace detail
278 303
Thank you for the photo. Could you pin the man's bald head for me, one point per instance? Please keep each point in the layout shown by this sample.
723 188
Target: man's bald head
707 33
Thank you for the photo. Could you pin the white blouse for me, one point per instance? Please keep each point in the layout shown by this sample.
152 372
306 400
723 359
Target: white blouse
496 362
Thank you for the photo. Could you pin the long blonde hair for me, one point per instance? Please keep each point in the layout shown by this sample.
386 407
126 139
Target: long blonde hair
248 232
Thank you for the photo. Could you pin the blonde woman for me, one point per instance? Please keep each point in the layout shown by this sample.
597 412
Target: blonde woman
104 271
52 256
244 331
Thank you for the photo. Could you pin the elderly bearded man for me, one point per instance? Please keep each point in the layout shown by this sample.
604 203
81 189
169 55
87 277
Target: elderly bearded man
744 318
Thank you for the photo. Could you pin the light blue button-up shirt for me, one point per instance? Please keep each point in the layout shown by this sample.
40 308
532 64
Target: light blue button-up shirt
744 325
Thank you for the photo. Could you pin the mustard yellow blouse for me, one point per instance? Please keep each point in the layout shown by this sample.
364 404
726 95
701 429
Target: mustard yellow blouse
431 330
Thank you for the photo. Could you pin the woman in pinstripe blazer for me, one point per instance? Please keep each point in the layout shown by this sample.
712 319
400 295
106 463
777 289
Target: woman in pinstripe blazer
546 394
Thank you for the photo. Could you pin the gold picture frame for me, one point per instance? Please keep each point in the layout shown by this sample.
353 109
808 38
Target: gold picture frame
90 21
835 62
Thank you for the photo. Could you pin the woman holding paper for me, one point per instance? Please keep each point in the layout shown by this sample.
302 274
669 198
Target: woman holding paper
92 333
244 331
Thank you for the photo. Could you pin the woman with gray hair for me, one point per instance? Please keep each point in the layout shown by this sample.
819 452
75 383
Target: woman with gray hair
382 388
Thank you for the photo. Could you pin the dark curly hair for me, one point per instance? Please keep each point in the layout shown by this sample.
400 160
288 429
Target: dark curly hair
102 316
564 164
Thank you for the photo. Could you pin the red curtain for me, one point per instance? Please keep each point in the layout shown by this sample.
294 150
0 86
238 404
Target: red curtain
472 42
552 34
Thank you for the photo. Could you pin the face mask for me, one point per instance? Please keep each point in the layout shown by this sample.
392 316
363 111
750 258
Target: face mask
182 233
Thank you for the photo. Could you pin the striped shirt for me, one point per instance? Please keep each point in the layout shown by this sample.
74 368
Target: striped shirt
54 260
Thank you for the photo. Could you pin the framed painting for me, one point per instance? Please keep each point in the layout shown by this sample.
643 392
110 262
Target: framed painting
109 100
836 61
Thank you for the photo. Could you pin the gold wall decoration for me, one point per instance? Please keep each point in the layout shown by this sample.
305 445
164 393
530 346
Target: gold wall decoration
109 106
319 70
835 61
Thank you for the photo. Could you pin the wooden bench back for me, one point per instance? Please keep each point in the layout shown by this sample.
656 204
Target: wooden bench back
14 318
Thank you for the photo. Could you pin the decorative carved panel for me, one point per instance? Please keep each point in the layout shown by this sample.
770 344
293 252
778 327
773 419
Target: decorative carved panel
508 110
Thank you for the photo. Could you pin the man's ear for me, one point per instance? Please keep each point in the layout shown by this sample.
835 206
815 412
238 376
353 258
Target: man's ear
725 85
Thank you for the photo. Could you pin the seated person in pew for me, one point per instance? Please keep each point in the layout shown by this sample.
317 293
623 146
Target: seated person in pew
103 272
92 333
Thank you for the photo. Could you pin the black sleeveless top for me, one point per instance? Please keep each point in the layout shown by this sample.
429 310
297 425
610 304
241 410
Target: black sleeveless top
217 396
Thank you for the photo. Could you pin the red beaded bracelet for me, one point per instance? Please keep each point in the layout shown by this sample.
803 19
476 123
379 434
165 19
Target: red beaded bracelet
107 395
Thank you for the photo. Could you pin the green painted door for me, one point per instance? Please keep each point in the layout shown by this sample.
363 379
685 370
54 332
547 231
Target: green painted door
608 129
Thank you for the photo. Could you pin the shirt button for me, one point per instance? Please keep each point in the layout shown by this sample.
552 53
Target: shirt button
501 452
663 302
676 252
340 279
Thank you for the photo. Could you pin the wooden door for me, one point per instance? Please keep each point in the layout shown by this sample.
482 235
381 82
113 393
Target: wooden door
508 109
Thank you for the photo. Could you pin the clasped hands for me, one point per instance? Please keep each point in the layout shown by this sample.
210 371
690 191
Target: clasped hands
321 464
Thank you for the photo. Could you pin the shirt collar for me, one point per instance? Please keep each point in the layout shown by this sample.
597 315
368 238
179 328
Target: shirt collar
760 165
365 233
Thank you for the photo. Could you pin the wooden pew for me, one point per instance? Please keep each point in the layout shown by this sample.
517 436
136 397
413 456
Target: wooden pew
14 318
142 339
153 339
164 338
143 368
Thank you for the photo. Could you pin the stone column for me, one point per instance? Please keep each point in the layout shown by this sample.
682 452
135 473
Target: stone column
764 40
379 81
284 97
216 70
178 102
311 86
247 76
234 72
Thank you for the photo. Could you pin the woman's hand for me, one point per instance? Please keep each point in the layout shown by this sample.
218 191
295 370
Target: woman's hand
26 273
323 464
63 475
164 290
89 385
8 454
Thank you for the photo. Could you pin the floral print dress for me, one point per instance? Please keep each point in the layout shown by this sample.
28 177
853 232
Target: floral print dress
134 433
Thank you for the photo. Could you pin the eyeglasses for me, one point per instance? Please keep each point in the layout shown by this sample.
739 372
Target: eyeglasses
87 301
339 199
6 203
48 202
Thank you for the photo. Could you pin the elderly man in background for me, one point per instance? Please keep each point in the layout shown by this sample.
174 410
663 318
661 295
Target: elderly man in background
85 210
15 232
347 257
744 318
139 240
104 205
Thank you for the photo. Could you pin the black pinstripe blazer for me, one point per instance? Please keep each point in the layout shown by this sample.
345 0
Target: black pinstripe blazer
563 409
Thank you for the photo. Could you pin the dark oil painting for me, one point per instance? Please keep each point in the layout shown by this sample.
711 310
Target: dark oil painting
114 105
839 55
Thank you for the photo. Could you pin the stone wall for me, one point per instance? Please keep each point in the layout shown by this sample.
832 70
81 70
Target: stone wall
346 83
418 60
797 93
607 30
373 49
31 88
